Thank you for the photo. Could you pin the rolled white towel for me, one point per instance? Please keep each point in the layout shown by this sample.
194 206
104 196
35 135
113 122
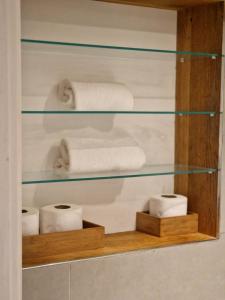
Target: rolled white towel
95 96
75 158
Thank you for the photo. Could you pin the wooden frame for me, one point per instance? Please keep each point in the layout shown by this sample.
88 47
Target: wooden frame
164 4
198 88
198 83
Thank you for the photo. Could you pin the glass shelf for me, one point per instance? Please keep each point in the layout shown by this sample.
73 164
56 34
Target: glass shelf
151 170
47 46
52 112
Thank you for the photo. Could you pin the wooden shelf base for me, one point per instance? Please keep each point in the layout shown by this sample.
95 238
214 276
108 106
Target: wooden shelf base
164 4
123 242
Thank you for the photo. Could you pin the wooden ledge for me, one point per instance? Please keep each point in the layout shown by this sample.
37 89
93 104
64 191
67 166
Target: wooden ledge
163 4
121 243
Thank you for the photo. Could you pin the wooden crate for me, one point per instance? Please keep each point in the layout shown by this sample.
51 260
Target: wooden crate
60 243
167 226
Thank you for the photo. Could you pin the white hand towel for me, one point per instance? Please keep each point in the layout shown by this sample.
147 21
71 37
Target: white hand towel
90 155
95 96
163 206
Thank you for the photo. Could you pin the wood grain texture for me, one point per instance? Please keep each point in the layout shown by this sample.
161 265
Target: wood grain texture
198 87
147 224
167 226
62 243
123 242
164 4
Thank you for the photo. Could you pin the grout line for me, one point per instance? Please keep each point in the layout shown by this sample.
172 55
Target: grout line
70 281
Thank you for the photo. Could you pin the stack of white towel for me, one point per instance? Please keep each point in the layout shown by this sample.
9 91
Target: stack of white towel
82 155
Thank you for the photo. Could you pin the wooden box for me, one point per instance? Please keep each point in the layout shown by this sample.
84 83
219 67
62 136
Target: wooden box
60 243
167 226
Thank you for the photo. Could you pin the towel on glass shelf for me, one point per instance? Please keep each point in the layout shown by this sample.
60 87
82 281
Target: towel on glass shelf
81 155
95 96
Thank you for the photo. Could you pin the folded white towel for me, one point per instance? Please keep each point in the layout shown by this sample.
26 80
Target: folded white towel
95 96
91 155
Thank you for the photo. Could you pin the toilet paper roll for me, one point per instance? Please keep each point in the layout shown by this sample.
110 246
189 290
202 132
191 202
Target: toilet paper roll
60 217
30 221
171 205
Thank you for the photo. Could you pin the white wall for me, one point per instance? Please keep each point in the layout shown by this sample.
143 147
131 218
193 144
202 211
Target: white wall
10 160
150 77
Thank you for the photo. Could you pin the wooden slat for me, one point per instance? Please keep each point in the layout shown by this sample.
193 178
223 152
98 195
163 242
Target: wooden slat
198 89
123 242
164 4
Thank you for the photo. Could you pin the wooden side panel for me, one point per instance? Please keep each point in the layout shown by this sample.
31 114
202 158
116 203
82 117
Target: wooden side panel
198 88
183 80
165 4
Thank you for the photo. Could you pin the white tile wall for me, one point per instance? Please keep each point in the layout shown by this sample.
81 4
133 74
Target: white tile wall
47 283
186 272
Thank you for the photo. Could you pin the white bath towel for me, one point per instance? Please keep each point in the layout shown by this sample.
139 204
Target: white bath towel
95 96
95 155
